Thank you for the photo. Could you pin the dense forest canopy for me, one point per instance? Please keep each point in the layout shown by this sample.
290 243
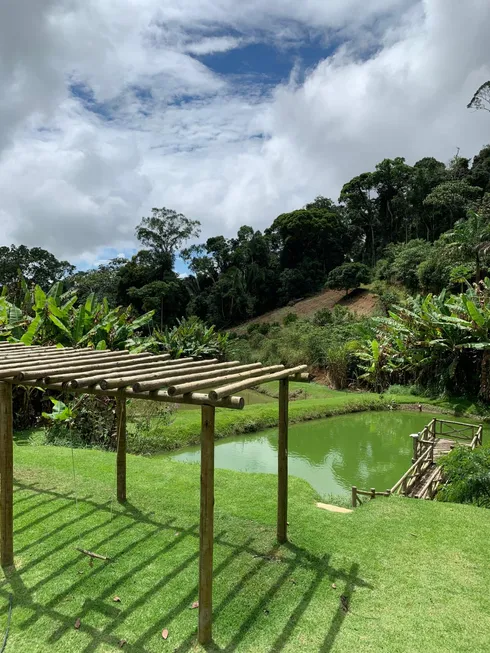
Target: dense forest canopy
423 226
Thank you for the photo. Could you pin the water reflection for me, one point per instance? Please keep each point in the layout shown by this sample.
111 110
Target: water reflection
365 449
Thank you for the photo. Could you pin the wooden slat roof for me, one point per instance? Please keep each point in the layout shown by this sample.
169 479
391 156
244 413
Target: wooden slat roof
144 376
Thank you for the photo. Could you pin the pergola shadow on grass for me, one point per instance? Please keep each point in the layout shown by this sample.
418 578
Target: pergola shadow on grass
130 530
123 375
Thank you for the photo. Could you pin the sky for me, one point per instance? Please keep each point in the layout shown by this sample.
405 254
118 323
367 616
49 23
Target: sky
229 112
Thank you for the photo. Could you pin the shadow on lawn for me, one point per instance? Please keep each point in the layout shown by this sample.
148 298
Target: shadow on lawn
138 529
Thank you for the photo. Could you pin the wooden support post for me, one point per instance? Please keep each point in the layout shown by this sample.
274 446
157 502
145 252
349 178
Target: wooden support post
373 493
415 445
6 476
282 463
354 496
206 526
121 448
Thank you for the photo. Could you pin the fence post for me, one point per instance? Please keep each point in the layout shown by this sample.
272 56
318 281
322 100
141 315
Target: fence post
354 496
415 443
373 493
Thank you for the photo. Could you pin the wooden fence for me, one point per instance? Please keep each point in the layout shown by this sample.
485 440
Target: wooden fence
419 480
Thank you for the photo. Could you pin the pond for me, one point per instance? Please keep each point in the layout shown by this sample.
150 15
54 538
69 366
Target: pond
371 449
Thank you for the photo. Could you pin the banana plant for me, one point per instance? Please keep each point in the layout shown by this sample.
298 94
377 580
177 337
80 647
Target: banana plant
56 318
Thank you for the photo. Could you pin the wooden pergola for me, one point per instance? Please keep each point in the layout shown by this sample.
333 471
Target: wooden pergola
123 375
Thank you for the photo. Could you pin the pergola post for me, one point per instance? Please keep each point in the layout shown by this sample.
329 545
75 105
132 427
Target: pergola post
6 476
282 467
121 448
206 526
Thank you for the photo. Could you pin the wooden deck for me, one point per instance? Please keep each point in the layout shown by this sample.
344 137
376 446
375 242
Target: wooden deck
423 478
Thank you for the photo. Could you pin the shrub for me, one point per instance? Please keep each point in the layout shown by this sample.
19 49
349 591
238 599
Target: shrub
87 421
290 318
192 337
323 317
468 476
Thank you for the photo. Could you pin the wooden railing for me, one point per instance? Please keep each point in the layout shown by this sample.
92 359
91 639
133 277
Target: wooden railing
370 494
411 477
477 438
423 459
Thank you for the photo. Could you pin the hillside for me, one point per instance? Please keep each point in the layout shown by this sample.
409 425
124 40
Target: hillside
360 302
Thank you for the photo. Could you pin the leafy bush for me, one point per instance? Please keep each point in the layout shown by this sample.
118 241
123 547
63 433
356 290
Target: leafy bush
323 317
290 318
259 327
56 318
389 296
192 337
467 473
87 421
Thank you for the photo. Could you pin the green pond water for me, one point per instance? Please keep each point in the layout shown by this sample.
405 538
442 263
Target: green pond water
371 449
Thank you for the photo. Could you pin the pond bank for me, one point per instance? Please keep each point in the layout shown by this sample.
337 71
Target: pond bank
322 402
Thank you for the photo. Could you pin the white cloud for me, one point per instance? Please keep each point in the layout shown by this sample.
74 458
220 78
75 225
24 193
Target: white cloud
168 131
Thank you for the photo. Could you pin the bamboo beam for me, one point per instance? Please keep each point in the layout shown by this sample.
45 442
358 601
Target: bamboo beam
54 354
206 526
121 448
122 371
161 396
116 367
142 382
302 377
191 384
6 476
21 372
226 390
200 378
282 463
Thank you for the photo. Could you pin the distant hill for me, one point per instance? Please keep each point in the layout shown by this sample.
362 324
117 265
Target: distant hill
360 302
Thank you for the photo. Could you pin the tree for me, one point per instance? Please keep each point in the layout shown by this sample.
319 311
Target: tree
311 242
165 231
162 233
103 281
481 98
36 265
472 238
361 213
405 259
348 276
452 199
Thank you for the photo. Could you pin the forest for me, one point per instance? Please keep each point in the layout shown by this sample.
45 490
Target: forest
417 235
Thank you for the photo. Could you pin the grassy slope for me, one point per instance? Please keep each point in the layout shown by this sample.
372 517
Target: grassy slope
360 302
416 573
320 402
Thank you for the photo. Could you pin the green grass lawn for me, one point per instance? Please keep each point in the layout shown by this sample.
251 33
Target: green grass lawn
416 573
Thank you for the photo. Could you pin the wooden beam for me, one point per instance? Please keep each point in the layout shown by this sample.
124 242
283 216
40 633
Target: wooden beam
121 448
6 476
206 526
193 399
282 463
192 383
226 390
143 382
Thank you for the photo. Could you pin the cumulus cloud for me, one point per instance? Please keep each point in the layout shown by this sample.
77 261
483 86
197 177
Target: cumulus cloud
108 109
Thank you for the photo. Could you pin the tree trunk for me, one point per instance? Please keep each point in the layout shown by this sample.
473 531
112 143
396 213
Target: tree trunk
485 376
477 267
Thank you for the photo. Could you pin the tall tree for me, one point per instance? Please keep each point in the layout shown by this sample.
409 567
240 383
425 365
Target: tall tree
148 279
165 231
481 98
